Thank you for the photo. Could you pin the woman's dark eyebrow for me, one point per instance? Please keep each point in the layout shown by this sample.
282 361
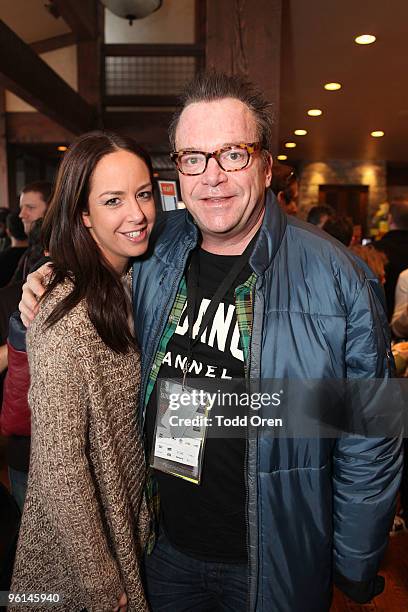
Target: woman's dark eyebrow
111 193
116 193
149 184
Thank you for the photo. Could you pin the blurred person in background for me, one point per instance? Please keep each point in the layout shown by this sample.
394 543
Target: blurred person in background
395 245
399 321
15 421
34 200
15 418
318 215
340 228
399 326
357 234
33 204
10 257
375 260
32 255
4 239
11 294
285 186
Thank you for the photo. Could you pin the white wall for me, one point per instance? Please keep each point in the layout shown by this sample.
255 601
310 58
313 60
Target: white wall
172 23
64 62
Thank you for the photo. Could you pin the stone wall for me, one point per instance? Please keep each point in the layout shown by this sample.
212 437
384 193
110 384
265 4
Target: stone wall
397 191
342 172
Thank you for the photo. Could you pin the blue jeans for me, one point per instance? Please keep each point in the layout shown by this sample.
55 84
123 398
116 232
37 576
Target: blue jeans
176 582
18 484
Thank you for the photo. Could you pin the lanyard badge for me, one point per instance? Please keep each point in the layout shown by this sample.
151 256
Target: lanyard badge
180 432
183 412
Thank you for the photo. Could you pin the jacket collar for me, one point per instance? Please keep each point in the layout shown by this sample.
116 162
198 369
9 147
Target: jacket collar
172 249
270 235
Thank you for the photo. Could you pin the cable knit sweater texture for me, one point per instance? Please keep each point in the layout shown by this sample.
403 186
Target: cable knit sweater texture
85 521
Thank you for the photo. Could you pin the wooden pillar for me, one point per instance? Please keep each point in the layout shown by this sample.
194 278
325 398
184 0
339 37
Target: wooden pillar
200 11
244 37
90 65
4 182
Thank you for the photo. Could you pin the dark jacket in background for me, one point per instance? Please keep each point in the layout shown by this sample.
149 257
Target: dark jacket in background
9 299
395 245
9 260
9 526
15 418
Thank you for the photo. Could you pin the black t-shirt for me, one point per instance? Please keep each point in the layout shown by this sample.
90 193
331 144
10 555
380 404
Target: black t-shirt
207 521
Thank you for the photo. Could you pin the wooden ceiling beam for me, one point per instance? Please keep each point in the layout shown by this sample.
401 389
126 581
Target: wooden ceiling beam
35 128
148 128
30 78
80 16
91 69
149 50
55 42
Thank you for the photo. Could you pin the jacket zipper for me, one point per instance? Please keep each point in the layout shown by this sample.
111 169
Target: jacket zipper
246 483
251 578
247 499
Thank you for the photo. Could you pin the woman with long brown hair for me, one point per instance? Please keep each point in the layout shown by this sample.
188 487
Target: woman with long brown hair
84 523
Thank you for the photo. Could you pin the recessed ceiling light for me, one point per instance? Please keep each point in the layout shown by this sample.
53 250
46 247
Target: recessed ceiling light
377 134
290 145
365 39
314 112
332 86
300 132
282 157
62 148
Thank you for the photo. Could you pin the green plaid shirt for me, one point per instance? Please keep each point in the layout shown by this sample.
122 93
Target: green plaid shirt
244 313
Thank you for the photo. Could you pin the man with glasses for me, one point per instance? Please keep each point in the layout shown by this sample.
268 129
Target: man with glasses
272 519
235 290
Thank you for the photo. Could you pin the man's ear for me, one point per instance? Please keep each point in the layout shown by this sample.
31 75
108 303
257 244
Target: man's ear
86 219
281 199
268 168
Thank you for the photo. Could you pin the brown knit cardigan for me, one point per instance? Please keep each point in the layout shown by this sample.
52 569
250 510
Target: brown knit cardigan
85 522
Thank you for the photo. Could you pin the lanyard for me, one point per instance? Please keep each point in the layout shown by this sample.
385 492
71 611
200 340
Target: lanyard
223 288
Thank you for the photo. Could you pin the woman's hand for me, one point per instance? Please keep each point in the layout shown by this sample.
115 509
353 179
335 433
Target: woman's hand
122 603
33 289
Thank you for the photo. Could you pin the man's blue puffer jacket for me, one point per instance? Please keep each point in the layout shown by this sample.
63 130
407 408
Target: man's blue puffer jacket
314 505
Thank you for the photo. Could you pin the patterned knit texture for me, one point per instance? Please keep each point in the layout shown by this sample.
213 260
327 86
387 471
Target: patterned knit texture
85 522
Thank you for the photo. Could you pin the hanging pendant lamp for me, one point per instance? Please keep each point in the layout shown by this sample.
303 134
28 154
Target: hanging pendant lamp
132 9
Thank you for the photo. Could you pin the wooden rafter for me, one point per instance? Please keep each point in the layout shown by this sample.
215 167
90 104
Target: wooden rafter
55 42
35 128
80 16
30 78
